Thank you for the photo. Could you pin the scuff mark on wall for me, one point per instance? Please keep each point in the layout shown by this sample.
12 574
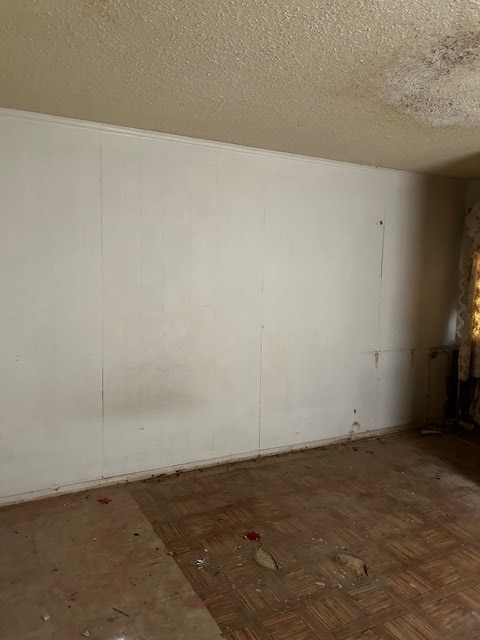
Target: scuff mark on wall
355 428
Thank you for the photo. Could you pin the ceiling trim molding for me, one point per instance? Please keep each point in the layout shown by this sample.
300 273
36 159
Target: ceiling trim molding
199 142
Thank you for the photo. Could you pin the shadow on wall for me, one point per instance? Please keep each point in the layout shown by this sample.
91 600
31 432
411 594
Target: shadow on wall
426 282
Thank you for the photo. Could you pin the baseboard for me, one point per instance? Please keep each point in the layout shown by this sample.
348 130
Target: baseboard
189 466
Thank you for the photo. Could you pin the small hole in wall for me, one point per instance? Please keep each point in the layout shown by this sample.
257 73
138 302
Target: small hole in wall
354 411
381 222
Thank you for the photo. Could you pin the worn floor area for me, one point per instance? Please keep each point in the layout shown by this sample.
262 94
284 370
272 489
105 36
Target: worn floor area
408 505
73 567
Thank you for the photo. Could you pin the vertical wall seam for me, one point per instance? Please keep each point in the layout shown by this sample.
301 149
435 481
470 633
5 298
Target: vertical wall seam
142 322
380 288
261 335
377 352
383 248
102 305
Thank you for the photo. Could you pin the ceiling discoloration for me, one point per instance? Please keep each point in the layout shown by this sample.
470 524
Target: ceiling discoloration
378 82
440 87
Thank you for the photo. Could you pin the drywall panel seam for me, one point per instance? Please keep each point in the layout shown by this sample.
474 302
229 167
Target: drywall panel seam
141 287
261 334
380 285
102 310
381 281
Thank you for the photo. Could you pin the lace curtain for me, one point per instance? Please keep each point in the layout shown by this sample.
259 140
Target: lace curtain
468 325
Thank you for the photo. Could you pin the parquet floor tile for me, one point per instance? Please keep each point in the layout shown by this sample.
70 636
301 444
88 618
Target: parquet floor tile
408 506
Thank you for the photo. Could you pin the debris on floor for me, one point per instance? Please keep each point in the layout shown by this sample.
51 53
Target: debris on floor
356 565
437 427
201 563
293 519
265 559
86 633
46 616
120 611
252 535
104 500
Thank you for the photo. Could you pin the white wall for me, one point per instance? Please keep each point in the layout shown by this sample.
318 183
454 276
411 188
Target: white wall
167 301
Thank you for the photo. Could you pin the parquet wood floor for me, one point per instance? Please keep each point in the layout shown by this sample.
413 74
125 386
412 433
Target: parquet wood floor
408 505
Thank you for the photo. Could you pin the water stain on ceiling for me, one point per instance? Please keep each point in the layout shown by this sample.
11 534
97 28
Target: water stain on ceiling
377 82
439 86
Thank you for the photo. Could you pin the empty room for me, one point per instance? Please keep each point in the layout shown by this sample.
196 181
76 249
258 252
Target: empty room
240 319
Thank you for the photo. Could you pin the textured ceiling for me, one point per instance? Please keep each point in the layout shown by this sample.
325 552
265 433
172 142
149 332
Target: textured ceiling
394 83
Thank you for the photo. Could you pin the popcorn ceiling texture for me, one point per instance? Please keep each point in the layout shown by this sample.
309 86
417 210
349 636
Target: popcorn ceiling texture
378 82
